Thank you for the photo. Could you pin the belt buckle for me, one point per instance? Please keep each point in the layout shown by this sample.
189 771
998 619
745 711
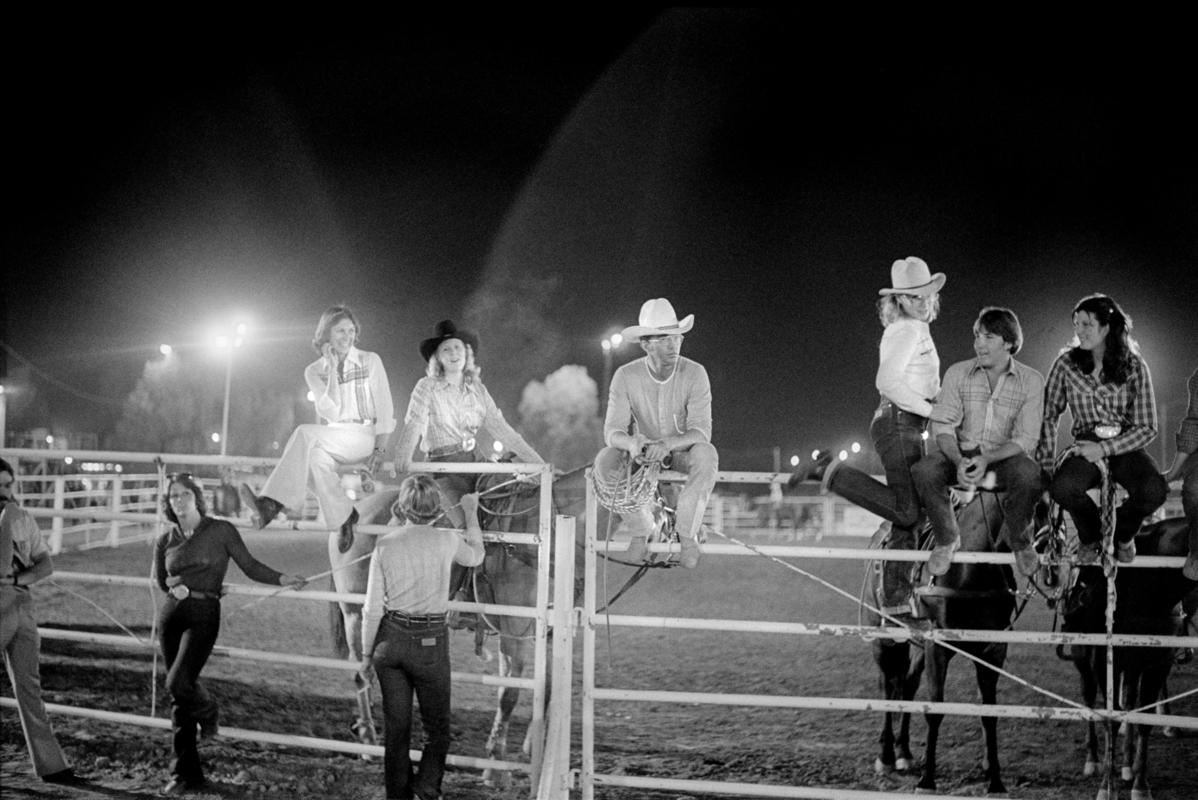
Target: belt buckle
468 445
180 592
1107 431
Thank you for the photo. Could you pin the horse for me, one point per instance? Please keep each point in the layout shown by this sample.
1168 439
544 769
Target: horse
1146 603
350 572
977 596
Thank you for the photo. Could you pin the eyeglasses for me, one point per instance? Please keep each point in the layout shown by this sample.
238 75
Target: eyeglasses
179 476
674 337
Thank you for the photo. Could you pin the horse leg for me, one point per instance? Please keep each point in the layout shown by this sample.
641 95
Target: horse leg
936 660
1089 682
995 655
905 760
1152 684
497 740
891 658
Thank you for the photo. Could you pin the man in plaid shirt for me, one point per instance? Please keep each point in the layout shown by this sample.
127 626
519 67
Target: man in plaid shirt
1186 468
1107 387
986 419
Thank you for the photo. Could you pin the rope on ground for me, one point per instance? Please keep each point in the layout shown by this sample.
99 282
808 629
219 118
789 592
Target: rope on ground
899 623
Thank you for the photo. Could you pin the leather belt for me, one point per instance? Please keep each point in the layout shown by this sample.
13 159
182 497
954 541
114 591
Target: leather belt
888 407
464 446
182 592
417 620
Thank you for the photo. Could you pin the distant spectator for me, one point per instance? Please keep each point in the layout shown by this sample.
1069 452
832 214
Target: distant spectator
1186 468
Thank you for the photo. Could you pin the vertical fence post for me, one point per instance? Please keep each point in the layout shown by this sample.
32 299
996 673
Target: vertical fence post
590 535
827 520
114 530
60 503
555 766
717 508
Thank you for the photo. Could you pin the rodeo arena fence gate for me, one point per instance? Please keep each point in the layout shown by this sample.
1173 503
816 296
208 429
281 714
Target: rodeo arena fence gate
553 771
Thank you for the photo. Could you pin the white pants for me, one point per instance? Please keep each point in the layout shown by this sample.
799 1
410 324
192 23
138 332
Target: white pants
311 458
20 640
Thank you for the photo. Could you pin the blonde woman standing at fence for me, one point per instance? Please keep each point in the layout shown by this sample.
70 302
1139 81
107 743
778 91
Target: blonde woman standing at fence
350 389
405 638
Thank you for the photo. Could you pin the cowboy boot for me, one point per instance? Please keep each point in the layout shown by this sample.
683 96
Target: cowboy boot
266 508
345 537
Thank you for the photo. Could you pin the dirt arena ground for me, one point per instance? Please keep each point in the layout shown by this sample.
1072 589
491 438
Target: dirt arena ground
796 748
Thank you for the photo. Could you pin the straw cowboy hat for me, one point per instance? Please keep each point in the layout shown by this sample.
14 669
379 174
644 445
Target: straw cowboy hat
447 330
658 319
912 276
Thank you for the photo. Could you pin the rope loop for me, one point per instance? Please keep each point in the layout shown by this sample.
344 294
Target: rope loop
630 492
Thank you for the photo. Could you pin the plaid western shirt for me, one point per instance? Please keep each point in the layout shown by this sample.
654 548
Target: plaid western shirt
444 415
1130 405
985 419
1187 434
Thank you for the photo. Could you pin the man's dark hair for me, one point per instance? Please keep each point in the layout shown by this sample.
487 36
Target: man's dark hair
1001 322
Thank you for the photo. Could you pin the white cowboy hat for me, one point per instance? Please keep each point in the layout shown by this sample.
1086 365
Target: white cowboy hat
911 276
658 319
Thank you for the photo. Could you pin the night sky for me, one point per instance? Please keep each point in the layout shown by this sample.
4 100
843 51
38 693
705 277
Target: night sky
538 177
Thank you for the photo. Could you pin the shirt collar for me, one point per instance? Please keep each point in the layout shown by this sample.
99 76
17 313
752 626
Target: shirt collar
1010 370
354 356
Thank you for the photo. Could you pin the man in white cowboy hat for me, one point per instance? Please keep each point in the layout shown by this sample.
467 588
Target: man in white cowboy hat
659 408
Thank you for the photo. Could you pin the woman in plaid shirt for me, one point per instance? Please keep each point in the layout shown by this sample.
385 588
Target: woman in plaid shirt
1106 385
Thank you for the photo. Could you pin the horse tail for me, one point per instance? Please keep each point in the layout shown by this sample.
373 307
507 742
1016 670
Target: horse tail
337 626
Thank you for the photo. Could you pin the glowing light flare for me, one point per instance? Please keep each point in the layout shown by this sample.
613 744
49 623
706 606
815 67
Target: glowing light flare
216 438
856 448
924 436
843 456
165 349
794 461
814 454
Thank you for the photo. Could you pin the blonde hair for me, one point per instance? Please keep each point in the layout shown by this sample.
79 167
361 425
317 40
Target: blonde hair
890 311
470 371
419 499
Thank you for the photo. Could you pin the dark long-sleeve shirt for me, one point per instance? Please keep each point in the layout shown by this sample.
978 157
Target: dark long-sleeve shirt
200 563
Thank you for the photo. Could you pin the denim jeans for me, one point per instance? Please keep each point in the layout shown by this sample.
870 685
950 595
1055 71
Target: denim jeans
413 661
189 630
898 438
1136 472
1020 486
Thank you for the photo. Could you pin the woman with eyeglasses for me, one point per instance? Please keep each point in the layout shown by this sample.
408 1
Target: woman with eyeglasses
190 562
405 639
350 389
1104 382
449 406
908 380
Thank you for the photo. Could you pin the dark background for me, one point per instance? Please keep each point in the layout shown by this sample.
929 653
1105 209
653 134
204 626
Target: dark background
538 176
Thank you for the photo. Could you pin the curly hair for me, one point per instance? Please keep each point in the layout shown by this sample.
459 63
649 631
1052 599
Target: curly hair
470 371
187 481
890 311
1121 349
419 500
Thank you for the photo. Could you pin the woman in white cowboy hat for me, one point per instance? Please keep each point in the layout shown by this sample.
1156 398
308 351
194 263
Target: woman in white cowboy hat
908 380
449 406
659 408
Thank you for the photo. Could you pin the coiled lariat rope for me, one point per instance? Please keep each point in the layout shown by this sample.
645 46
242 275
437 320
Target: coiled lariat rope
630 492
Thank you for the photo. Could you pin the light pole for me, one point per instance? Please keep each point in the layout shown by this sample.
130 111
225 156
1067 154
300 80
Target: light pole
228 345
609 344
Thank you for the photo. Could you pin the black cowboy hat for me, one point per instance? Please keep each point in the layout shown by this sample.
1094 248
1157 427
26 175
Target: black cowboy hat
447 330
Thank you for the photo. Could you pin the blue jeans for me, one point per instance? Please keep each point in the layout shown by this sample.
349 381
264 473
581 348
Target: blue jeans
1020 487
1135 471
189 630
898 438
413 661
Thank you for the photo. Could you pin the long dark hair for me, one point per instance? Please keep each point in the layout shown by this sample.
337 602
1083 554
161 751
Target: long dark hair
1120 347
185 480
